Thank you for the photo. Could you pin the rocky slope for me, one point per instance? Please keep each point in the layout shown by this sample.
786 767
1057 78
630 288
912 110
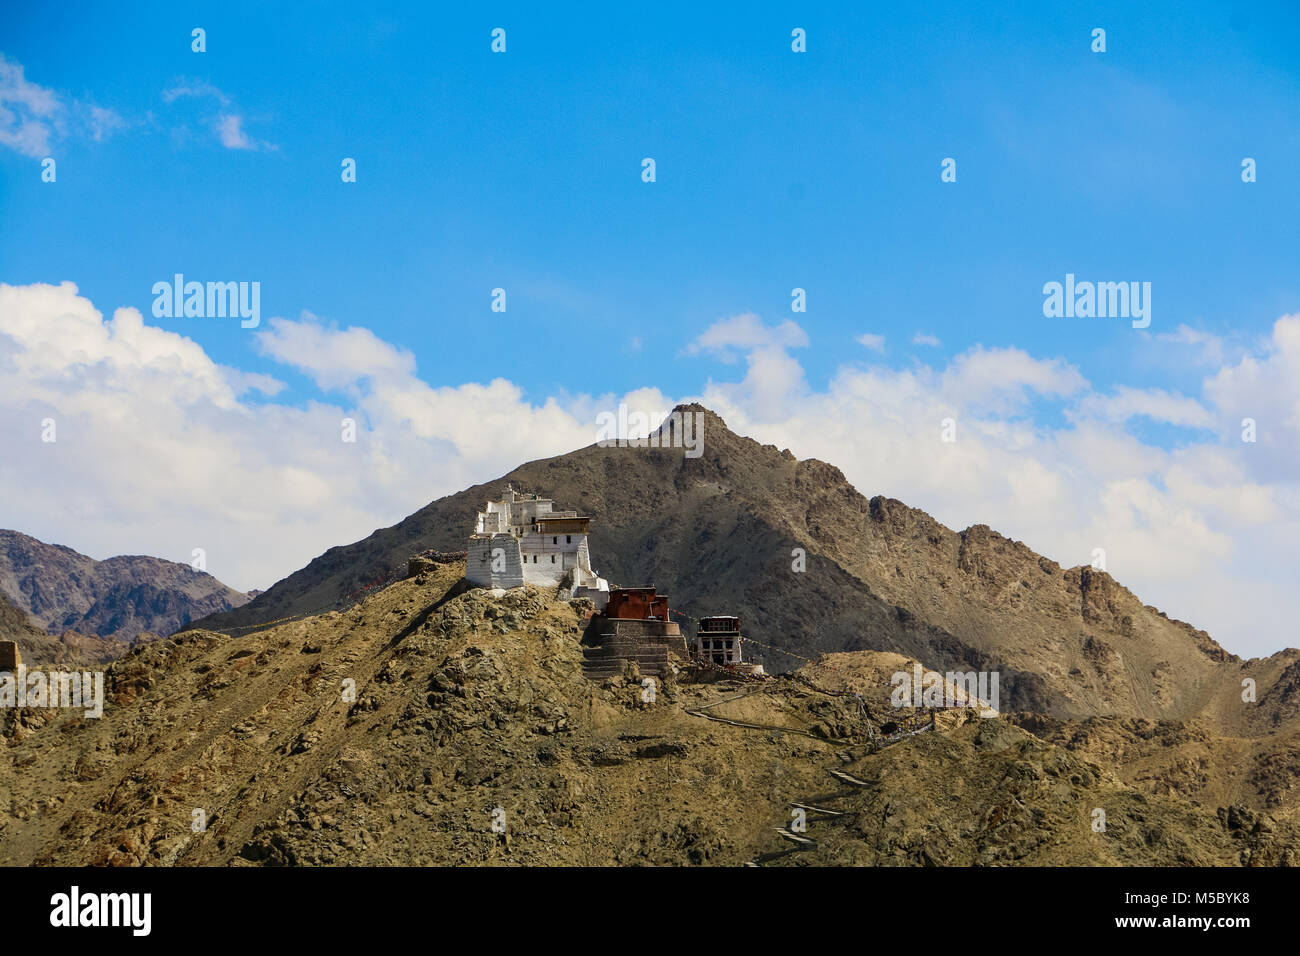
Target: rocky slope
117 599
718 533
470 709
66 650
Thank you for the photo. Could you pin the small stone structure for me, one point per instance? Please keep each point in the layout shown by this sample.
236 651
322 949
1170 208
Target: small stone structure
717 639
428 560
10 659
718 642
636 627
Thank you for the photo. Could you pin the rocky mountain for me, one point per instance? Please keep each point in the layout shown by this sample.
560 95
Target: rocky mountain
67 650
434 723
14 624
117 599
437 724
722 532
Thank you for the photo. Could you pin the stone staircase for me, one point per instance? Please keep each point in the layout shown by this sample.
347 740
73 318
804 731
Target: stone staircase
607 658
650 644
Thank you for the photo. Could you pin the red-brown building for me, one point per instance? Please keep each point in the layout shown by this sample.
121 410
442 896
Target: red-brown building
637 604
634 627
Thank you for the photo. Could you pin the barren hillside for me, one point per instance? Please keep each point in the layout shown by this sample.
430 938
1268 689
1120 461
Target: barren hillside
67 650
471 708
716 533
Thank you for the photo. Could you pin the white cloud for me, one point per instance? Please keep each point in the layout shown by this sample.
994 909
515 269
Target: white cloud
34 118
1206 348
161 450
924 338
1266 387
333 358
1155 404
197 89
227 123
746 332
230 131
874 342
1006 379
773 379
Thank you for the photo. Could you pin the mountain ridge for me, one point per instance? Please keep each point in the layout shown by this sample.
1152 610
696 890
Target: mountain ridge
718 534
118 598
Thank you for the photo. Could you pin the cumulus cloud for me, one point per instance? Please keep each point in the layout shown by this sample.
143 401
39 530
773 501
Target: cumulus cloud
1263 388
333 358
1007 378
161 450
871 341
774 379
924 338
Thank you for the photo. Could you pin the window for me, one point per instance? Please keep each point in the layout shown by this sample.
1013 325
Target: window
555 540
534 559
552 559
568 539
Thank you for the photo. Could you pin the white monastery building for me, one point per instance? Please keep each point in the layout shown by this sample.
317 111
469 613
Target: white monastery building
522 539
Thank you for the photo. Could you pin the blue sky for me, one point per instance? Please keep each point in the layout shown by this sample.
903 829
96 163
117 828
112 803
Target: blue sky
775 170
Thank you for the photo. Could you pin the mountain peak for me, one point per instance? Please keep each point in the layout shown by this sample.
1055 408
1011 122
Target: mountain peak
813 566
